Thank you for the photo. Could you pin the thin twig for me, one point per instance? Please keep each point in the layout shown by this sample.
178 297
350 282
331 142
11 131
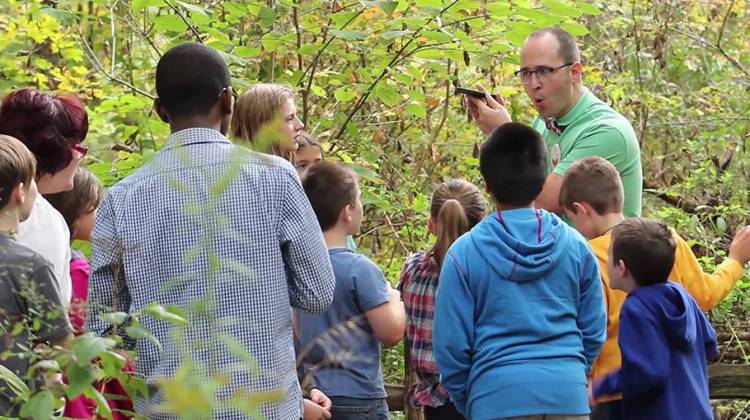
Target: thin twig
96 63
361 102
185 19
708 43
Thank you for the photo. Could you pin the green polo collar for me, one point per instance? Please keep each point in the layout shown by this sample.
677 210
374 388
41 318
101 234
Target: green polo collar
587 98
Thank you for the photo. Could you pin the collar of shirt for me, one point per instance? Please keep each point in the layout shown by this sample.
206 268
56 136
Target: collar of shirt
579 109
196 135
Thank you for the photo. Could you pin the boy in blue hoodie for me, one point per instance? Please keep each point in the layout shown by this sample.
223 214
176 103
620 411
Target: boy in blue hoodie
519 316
665 338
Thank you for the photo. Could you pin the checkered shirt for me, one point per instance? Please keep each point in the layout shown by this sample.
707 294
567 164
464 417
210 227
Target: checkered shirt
227 235
418 285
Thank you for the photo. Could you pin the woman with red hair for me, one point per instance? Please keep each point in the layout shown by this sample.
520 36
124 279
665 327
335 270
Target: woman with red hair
52 127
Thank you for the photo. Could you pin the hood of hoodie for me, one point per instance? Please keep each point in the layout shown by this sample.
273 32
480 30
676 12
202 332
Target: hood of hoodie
521 245
671 303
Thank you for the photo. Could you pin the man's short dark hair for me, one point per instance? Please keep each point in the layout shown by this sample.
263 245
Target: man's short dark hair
513 163
568 51
190 78
646 247
17 165
593 180
330 187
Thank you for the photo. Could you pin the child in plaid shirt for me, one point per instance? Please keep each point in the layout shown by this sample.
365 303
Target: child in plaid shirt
457 205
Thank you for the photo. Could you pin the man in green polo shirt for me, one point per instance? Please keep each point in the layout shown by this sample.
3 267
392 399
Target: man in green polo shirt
572 121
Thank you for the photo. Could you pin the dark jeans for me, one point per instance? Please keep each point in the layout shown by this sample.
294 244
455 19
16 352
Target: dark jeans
444 412
611 410
345 408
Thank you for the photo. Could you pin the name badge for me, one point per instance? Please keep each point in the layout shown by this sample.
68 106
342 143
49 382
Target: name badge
555 154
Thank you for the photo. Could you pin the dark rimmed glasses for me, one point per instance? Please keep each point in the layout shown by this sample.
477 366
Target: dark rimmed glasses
542 73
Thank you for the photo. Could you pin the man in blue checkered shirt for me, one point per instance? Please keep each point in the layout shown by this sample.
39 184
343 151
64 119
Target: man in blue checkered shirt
226 235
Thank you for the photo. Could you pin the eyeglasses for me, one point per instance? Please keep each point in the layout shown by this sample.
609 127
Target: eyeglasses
542 72
80 149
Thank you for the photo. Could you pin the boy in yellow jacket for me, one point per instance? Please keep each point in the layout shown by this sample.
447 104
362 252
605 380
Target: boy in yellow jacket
592 197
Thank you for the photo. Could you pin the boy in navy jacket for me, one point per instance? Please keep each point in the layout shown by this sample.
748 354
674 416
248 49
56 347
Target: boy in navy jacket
665 338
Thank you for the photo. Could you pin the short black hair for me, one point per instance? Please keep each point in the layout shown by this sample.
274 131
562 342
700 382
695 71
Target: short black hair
330 187
568 50
513 163
646 247
190 78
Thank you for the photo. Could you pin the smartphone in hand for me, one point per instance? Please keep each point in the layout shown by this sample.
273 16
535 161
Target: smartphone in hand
473 93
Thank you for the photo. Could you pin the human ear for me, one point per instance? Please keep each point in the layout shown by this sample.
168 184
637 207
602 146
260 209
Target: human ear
227 101
160 111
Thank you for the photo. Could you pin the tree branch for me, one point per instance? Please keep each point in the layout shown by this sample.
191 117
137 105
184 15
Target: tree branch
185 19
361 102
99 67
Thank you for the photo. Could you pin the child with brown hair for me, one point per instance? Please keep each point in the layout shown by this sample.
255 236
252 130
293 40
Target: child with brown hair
366 311
32 311
78 208
665 339
592 197
309 152
457 206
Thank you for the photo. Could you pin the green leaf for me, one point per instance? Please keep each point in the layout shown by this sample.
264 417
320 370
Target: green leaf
499 9
575 29
158 312
194 9
318 91
267 17
437 36
430 54
62 16
271 41
395 34
309 49
15 384
239 350
388 7
137 331
80 378
347 35
169 23
112 362
103 408
343 94
139 5
416 109
114 318
246 52
588 9
388 94
39 406
430 4
87 347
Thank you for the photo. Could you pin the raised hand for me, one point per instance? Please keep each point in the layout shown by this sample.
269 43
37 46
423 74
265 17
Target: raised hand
489 113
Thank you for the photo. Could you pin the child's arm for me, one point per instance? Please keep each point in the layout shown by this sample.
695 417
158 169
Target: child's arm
453 335
389 319
310 276
106 261
592 316
709 289
645 354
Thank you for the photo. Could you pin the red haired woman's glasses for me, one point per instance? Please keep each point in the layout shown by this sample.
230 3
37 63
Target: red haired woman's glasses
80 149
